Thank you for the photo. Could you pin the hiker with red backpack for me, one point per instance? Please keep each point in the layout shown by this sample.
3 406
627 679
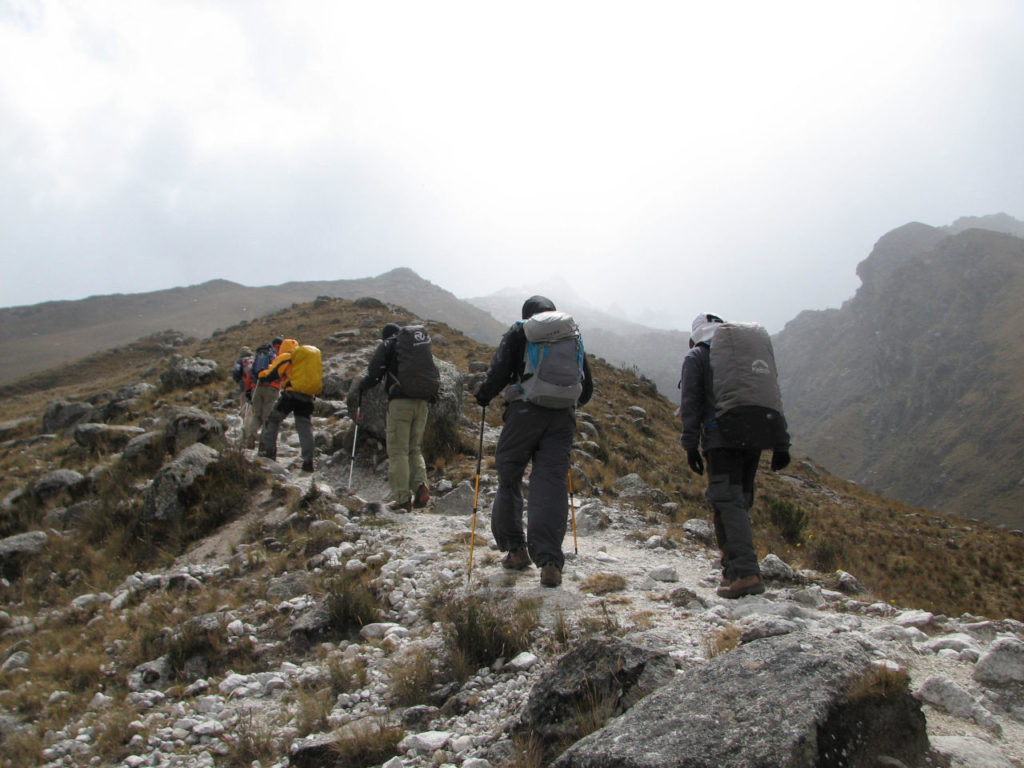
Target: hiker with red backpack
242 373
731 408
404 360
298 371
264 393
541 365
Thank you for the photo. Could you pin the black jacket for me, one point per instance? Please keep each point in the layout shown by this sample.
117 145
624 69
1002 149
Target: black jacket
384 365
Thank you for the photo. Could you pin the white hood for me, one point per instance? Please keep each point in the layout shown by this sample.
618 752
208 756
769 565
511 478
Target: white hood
702 329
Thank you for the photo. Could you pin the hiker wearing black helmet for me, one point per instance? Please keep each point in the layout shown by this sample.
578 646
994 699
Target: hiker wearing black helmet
404 359
732 438
540 421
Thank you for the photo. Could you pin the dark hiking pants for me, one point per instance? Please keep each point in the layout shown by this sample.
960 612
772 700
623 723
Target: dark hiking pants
731 494
302 407
543 435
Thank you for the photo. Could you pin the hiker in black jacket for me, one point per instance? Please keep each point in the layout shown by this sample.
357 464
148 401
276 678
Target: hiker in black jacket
731 469
531 432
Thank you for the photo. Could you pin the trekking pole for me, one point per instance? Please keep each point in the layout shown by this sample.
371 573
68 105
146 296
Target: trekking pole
476 494
355 436
572 506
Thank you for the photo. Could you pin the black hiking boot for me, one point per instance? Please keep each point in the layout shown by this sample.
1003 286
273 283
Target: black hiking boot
516 560
307 466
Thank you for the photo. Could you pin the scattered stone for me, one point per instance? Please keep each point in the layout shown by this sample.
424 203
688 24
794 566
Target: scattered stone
61 482
699 530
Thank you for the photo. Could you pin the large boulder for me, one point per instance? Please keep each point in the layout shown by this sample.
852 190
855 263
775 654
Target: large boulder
186 426
165 497
16 550
780 701
102 438
61 483
600 672
61 414
189 372
444 414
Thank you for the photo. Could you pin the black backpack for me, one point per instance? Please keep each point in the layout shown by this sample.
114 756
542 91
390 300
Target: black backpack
417 376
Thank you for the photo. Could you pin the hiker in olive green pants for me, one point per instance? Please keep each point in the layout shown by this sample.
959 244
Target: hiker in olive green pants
407 418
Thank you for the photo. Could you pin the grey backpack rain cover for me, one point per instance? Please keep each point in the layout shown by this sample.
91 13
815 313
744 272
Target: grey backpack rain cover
748 403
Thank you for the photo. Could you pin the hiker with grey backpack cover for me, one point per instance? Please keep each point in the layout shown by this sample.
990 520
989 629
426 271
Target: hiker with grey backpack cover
541 366
731 408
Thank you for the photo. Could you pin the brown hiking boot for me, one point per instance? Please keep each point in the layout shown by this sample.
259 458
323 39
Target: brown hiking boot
550 576
516 560
401 506
739 587
422 497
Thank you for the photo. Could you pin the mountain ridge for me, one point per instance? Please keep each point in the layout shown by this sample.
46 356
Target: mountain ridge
912 387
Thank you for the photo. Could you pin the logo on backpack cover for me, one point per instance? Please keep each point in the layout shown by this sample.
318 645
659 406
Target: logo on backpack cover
761 368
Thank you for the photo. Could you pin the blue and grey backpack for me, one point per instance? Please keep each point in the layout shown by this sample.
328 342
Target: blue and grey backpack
553 364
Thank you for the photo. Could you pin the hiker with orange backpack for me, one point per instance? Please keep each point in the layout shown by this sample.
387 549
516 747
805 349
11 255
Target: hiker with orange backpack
298 371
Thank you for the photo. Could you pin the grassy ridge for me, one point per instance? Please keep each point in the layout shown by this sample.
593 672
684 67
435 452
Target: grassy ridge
808 518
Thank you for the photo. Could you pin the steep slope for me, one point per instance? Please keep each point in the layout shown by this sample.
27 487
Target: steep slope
43 335
914 387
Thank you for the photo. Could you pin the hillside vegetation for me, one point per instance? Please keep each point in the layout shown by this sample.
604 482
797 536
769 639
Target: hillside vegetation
804 515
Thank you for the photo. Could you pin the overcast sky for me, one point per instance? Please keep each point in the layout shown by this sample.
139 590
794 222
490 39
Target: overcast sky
665 157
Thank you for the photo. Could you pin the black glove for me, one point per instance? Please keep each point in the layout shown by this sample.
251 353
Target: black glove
480 399
780 460
695 461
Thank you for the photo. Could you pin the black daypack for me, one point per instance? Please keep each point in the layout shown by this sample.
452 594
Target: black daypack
748 403
417 375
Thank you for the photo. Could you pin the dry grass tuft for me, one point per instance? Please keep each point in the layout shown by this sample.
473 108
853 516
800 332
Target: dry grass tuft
603 583
722 640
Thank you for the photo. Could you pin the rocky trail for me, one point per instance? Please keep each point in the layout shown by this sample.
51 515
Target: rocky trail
628 581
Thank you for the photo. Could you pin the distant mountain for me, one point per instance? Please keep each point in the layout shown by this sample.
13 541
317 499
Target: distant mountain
915 386
657 354
44 335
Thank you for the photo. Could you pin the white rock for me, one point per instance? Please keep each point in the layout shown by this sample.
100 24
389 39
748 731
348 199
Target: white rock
1002 663
665 573
236 628
208 728
377 630
913 618
968 752
522 662
428 741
